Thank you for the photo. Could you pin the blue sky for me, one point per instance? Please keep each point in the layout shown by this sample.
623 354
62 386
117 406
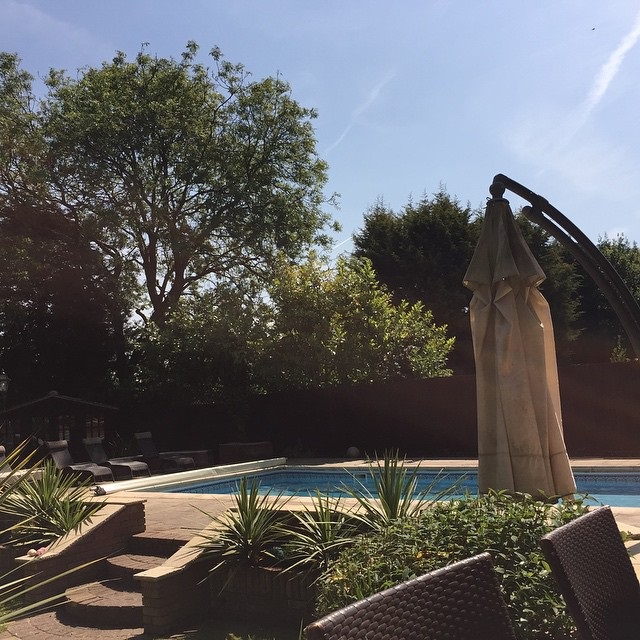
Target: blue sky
411 94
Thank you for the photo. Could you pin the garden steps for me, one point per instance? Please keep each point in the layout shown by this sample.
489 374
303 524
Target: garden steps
125 566
159 544
103 605
116 600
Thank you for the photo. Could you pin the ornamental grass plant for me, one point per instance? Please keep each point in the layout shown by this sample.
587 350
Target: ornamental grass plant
395 495
49 506
318 533
249 534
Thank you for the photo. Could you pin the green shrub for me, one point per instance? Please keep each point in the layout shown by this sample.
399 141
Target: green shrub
49 506
249 534
509 528
400 536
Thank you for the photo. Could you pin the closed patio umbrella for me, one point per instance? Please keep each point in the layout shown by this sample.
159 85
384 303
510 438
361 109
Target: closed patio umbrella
520 442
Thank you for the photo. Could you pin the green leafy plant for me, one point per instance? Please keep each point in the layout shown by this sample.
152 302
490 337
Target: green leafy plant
17 473
248 534
15 469
120 446
508 527
395 496
317 534
48 506
619 351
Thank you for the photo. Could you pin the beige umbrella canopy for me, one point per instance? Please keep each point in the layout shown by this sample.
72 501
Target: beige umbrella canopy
520 443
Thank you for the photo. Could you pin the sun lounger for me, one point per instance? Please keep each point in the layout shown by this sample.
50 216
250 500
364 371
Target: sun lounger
158 461
59 452
122 468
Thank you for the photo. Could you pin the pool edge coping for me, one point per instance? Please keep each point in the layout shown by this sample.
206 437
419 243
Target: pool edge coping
155 484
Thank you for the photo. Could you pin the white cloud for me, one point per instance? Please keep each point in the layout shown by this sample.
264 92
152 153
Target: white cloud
341 137
373 94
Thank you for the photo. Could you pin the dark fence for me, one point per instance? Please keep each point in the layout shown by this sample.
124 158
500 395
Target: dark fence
426 418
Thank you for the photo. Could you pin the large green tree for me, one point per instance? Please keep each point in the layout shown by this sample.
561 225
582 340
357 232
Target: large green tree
319 325
186 175
602 332
422 254
22 145
55 306
205 352
337 324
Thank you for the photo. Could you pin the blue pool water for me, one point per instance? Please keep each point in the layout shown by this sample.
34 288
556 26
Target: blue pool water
615 489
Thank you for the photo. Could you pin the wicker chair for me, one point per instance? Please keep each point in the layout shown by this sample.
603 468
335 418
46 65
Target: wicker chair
460 602
595 575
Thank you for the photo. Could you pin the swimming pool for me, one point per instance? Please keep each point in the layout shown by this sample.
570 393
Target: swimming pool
620 489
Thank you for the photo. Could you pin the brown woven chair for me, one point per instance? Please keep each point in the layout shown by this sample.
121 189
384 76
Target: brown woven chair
595 575
460 602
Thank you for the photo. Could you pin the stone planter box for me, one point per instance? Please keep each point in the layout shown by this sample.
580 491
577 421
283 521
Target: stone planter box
263 594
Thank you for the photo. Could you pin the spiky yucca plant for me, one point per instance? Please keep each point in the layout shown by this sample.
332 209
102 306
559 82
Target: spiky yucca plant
318 533
49 506
395 496
17 472
247 534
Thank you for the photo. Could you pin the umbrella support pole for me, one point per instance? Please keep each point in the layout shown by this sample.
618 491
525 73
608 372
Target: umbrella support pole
592 260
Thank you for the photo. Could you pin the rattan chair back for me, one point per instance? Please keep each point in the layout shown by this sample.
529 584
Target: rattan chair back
595 575
460 602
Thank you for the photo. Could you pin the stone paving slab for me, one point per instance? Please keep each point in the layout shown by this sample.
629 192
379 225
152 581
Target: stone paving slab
47 625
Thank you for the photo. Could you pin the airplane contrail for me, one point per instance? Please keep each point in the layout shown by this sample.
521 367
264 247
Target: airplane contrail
360 109
610 68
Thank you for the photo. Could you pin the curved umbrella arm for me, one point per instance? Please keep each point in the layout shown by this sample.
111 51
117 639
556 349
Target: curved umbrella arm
607 279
